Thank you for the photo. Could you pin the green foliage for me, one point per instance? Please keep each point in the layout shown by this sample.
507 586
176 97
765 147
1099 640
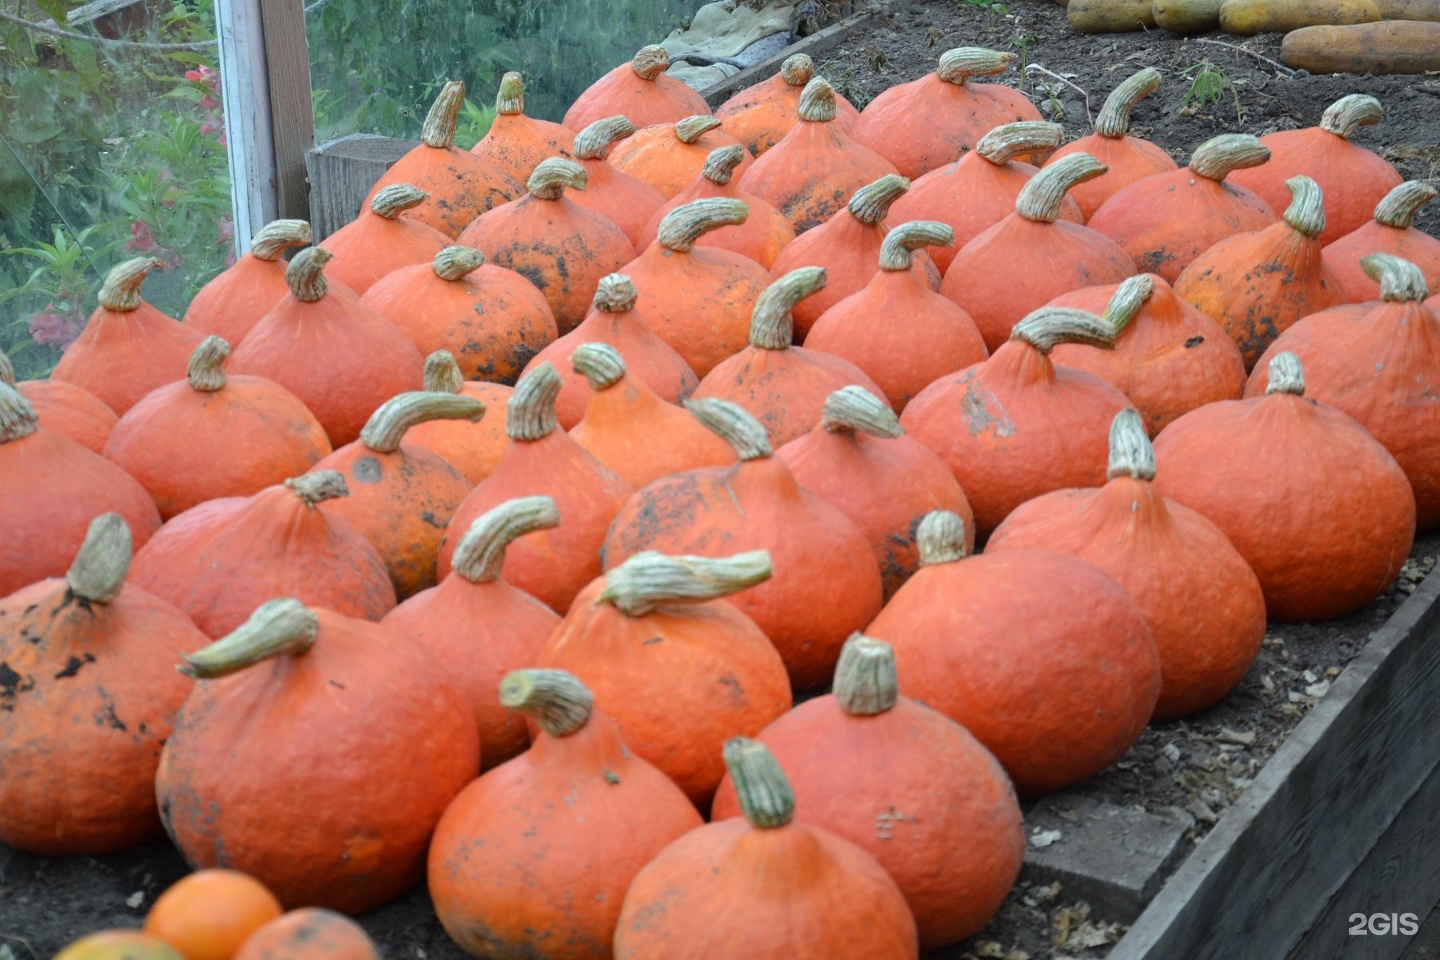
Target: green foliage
1208 85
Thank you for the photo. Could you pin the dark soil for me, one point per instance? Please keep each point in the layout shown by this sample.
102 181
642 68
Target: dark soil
1189 770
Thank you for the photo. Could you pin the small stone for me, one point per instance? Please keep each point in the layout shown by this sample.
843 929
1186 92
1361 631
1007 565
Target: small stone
1267 683
990 950
1242 738
1309 676
1202 811
1318 689
1295 696
1172 752
135 899
1044 838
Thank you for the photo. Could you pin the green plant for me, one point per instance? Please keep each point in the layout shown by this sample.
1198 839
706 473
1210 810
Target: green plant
1208 84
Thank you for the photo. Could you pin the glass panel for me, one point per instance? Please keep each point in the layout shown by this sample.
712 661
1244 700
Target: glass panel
377 64
108 150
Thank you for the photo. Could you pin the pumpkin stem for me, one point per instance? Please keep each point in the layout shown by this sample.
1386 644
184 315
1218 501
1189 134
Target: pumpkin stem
959 65
457 263
1114 118
386 427
444 116
1286 375
650 61
1047 328
721 163
600 364
480 555
649 579
7 370
872 202
771 325
556 700
693 128
895 249
817 101
766 800
277 236
1217 157
683 226
206 371
283 626
314 489
1131 454
1346 115
1128 300
442 373
940 538
1306 213
510 98
854 409
530 412
1043 193
615 294
306 274
865 679
797 70
552 175
1021 138
395 199
100 567
1399 206
733 424
17 416
121 290
1400 280
595 141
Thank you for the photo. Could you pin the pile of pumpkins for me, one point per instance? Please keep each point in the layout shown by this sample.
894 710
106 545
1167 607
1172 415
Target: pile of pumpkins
581 485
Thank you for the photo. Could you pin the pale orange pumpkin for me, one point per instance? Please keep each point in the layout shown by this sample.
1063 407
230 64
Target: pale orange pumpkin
627 200
641 90
762 113
516 143
229 305
668 156
1391 231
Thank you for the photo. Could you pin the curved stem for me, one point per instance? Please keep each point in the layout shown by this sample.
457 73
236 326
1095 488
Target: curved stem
896 249
1216 157
940 538
442 373
1286 375
284 626
480 554
595 141
7 370
1128 300
1047 328
600 364
457 263
651 579
386 427
872 202
615 294
771 325
306 274
766 800
121 290
552 175
686 224
1399 206
444 116
1306 213
17 416
530 412
650 61
1114 118
1400 280
314 489
1131 454
1021 138
721 163
206 371
797 70
556 700
733 424
277 236
1042 195
959 65
817 101
389 202
1348 114
510 98
693 128
99 570
854 409
865 680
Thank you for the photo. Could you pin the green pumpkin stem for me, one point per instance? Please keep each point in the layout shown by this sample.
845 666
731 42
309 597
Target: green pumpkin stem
872 202
444 116
1113 120
442 373
480 555
1217 157
650 61
457 263
530 412
1348 114
940 538
854 409
651 579
314 489
959 65
1400 280
865 678
1306 213
771 325
389 202
817 101
510 98
99 570
897 249
766 799
1398 208
1041 197
17 416
281 627
1128 300
277 236
1047 328
733 424
1010 141
552 175
206 371
306 274
600 364
595 141
1131 454
556 700
721 163
686 224
1286 375
121 291
615 293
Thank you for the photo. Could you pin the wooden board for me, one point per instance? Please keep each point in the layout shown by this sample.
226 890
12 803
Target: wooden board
292 111
342 173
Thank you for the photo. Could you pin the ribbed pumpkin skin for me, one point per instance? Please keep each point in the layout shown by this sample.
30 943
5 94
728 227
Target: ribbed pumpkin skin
629 429
645 102
461 185
760 238
797 891
516 143
121 355
1169 359
50 490
712 676
1323 515
1342 258
1128 158
541 850
1200 599
91 694
187 446
657 156
351 751
234 301
917 792
1380 368
310 933
219 561
1041 656
811 174
550 565
763 113
473 448
371 246
70 411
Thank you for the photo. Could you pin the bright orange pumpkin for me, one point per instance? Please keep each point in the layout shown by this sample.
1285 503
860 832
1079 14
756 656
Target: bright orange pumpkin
380 240
762 113
209 914
626 200
641 90
310 933
64 408
471 446
516 143
229 305
668 156
1392 231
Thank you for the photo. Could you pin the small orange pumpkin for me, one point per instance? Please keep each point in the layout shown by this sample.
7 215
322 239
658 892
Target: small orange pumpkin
641 90
209 914
516 143
627 200
229 305
64 408
380 240
762 113
668 156
471 446
1392 231
310 933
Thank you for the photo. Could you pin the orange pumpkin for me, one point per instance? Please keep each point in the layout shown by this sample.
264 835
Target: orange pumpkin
478 627
471 446
64 408
783 385
1353 178
616 319
640 90
1166 220
810 173
310 933
1392 231
87 700
631 430
764 885
128 347
211 435
50 490
1318 508
460 185
492 320
1381 368
906 784
1200 598
380 240
762 113
859 459
1126 158
1168 358
533 859
516 143
668 156
827 582
339 356
229 305
556 244
1255 285
1056 699
626 200
209 914
934 336
280 698
551 565
1017 425
217 562
980 189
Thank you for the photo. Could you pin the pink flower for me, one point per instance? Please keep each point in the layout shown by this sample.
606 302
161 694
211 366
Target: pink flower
54 329
143 241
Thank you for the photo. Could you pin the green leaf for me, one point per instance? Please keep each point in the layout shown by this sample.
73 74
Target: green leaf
55 9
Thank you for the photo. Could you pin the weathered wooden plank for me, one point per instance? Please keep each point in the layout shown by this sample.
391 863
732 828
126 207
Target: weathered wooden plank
1263 876
248 142
292 112
96 9
342 173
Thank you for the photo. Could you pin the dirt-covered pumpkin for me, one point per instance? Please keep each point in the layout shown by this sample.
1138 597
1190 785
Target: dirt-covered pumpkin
762 113
669 156
471 446
1392 231
516 143
310 933
627 200
381 240
229 305
64 408
641 90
